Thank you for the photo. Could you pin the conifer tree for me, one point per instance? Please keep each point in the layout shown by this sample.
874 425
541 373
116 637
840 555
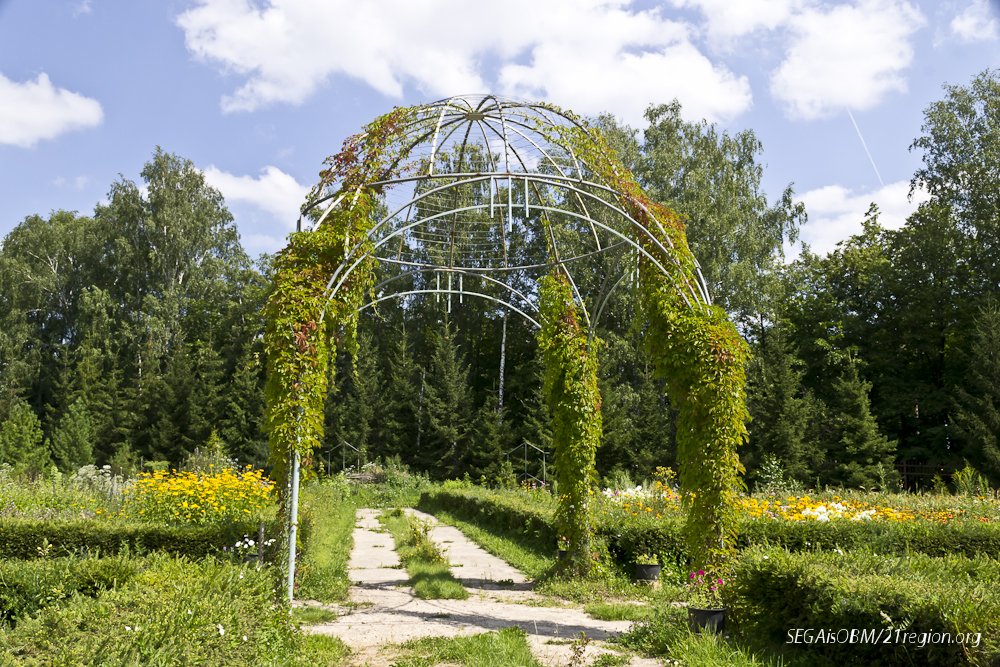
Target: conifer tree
72 438
977 404
21 443
447 403
858 454
782 409
402 389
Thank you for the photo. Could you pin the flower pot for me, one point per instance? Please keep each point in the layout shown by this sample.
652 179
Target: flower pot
562 555
645 572
708 619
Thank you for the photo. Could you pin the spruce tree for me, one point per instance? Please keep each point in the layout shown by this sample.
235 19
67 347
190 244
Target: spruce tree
977 402
399 422
72 439
21 443
447 404
489 440
782 409
858 454
242 407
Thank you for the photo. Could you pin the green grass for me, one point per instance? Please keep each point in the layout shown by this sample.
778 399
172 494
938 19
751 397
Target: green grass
323 651
312 615
330 509
505 547
618 611
169 611
429 573
504 648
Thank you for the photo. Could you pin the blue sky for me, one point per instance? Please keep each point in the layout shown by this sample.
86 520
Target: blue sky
258 92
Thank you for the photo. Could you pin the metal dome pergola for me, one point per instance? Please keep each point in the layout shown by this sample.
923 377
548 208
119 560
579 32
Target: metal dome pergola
476 190
478 181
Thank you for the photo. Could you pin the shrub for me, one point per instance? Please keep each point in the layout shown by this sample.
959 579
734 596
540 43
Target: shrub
22 538
28 586
171 612
773 592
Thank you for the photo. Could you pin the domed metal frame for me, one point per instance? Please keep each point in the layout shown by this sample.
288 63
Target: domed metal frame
512 178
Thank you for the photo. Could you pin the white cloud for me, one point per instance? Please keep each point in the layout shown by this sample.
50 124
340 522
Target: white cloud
625 83
83 7
273 192
847 56
836 213
593 55
727 20
976 23
36 110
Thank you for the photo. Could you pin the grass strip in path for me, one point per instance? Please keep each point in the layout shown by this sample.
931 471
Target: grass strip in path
323 566
429 573
529 561
491 649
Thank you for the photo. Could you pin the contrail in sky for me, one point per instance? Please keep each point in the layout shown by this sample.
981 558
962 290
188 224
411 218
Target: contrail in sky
865 146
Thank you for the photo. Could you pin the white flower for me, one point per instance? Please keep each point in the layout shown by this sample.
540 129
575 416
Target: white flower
128 628
222 630
244 637
241 575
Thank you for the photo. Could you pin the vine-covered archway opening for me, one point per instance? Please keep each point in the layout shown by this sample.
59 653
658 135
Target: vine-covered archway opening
458 198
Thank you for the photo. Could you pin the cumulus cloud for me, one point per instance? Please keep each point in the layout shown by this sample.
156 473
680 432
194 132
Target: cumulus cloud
726 20
846 56
836 213
594 55
976 23
33 111
265 206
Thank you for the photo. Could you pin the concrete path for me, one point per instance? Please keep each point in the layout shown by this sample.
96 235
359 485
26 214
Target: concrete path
384 610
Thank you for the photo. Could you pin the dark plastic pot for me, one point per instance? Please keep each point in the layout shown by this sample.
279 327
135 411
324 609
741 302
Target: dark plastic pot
710 620
563 554
647 572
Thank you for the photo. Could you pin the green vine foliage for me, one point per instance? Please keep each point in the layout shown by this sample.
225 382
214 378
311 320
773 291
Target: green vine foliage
304 323
574 401
696 349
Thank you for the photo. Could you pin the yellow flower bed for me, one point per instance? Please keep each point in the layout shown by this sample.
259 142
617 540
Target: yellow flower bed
198 498
804 508
660 500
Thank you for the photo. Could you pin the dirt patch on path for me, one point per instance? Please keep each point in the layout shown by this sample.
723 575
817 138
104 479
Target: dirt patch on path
385 612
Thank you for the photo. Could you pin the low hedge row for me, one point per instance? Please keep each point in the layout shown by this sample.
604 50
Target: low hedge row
29 586
889 537
632 536
914 609
504 513
27 538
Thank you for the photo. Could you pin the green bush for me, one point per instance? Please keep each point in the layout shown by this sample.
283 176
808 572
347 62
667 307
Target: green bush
173 611
28 586
509 513
773 592
934 539
30 538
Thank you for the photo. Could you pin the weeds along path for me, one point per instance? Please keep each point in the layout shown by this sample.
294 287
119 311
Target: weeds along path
383 610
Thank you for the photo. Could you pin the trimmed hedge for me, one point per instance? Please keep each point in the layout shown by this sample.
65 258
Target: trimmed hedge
626 539
773 593
503 513
25 538
934 539
29 586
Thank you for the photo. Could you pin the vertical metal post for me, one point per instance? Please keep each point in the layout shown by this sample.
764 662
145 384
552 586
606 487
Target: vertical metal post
293 484
293 525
